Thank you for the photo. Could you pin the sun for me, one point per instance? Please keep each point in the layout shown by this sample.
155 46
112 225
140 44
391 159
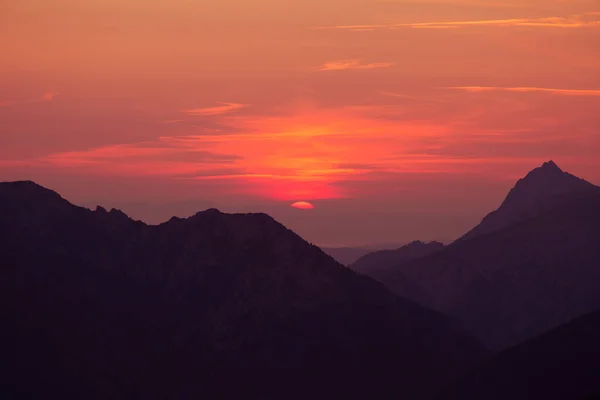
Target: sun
302 205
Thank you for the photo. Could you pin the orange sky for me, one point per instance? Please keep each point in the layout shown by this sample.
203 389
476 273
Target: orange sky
397 120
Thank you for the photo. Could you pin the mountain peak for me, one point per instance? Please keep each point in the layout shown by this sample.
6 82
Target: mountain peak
542 189
547 171
550 165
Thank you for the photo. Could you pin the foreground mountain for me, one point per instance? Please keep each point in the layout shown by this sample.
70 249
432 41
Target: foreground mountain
543 189
95 305
516 282
562 364
379 261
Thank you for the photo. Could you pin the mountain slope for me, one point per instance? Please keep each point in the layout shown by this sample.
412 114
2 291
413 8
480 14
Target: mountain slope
542 189
134 310
346 255
561 364
514 283
386 259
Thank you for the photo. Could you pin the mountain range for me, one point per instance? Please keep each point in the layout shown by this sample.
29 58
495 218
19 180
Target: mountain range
96 305
528 267
383 259
346 255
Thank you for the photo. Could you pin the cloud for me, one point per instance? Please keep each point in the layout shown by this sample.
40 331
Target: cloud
494 4
357 166
586 20
342 65
301 155
166 157
216 110
562 92
49 96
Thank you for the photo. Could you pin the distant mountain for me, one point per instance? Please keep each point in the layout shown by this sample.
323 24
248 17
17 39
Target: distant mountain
515 282
346 255
378 261
561 364
94 305
543 189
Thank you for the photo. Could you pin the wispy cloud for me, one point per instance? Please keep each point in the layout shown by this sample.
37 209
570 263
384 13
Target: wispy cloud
417 98
48 96
514 4
563 92
342 65
573 21
223 108
165 156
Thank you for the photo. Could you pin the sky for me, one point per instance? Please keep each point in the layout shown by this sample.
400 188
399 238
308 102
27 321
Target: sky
396 120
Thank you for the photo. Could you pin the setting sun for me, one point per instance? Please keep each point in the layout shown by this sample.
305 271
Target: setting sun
303 205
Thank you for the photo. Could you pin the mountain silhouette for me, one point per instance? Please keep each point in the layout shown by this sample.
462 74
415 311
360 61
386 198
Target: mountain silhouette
377 261
561 364
346 255
96 305
516 282
542 189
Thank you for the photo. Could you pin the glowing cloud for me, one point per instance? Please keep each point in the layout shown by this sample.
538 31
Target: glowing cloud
342 65
587 20
216 110
302 205
49 96
563 92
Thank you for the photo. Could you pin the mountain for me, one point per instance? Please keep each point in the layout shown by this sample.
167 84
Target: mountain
516 282
377 261
561 364
96 305
346 255
542 189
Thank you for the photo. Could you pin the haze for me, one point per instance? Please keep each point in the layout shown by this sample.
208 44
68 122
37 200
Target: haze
397 120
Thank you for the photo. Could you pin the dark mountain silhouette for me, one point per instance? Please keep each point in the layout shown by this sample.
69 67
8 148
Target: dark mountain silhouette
516 282
543 189
346 255
378 261
96 305
561 364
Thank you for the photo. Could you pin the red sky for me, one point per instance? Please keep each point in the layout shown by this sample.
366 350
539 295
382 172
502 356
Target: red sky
398 120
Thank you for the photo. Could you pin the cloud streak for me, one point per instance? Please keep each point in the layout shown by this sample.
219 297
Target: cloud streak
223 108
343 65
48 96
587 20
562 92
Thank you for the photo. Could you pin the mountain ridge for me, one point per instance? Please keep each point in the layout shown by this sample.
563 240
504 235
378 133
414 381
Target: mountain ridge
514 283
385 259
542 189
222 290
559 364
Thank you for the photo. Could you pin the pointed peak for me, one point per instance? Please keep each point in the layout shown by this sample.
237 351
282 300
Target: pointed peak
548 171
550 165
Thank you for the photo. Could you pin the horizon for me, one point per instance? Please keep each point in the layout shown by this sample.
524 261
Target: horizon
352 123
367 246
